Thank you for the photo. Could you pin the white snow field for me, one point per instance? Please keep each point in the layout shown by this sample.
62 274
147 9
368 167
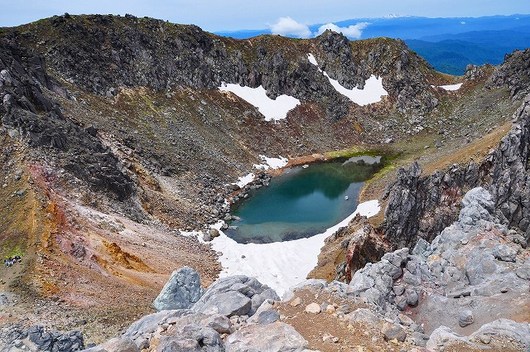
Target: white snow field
272 109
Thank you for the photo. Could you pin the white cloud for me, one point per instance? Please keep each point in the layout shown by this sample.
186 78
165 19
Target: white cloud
354 31
288 27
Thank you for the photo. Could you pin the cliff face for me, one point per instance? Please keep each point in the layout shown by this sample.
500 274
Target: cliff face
421 206
29 113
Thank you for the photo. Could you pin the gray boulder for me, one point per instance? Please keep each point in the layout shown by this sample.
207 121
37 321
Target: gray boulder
465 318
149 324
393 331
118 344
266 314
234 295
506 329
443 337
191 338
275 337
227 303
181 291
363 316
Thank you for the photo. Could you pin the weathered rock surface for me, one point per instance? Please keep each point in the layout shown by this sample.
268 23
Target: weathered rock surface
349 249
181 291
234 295
37 338
459 279
495 334
513 73
29 113
421 206
275 337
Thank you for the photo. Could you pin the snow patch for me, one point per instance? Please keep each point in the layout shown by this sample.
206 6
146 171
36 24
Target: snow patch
272 109
271 163
245 180
451 87
312 59
280 265
371 93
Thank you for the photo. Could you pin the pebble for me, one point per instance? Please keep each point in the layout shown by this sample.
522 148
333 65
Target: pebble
313 308
295 302
330 309
465 318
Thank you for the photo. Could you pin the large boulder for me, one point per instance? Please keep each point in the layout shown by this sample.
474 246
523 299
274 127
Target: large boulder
181 291
504 334
234 295
191 338
275 337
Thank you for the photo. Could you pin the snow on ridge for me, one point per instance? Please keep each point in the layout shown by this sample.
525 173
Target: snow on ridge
280 265
312 59
272 109
451 87
271 163
371 93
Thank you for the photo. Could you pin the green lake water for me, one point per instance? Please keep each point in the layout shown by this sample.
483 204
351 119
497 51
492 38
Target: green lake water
302 202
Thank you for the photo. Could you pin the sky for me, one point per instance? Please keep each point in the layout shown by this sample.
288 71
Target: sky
230 15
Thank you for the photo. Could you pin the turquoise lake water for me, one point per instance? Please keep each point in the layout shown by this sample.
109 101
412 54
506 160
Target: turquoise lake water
300 203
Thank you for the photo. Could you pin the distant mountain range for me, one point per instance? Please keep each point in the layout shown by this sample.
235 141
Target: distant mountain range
448 44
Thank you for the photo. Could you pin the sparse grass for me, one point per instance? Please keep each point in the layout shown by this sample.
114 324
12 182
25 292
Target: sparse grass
359 150
10 250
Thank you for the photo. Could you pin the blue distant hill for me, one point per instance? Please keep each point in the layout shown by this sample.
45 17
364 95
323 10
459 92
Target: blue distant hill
448 44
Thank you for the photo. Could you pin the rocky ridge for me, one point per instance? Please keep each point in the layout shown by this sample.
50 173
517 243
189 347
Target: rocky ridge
419 207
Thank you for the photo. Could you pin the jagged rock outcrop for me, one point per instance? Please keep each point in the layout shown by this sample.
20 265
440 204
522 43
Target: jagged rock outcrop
420 206
499 331
349 249
30 114
513 74
37 338
135 52
353 67
454 280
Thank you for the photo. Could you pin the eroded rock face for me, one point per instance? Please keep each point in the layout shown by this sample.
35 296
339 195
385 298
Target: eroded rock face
469 267
29 113
349 249
421 206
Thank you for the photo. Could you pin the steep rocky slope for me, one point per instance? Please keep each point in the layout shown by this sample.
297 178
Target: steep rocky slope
115 137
